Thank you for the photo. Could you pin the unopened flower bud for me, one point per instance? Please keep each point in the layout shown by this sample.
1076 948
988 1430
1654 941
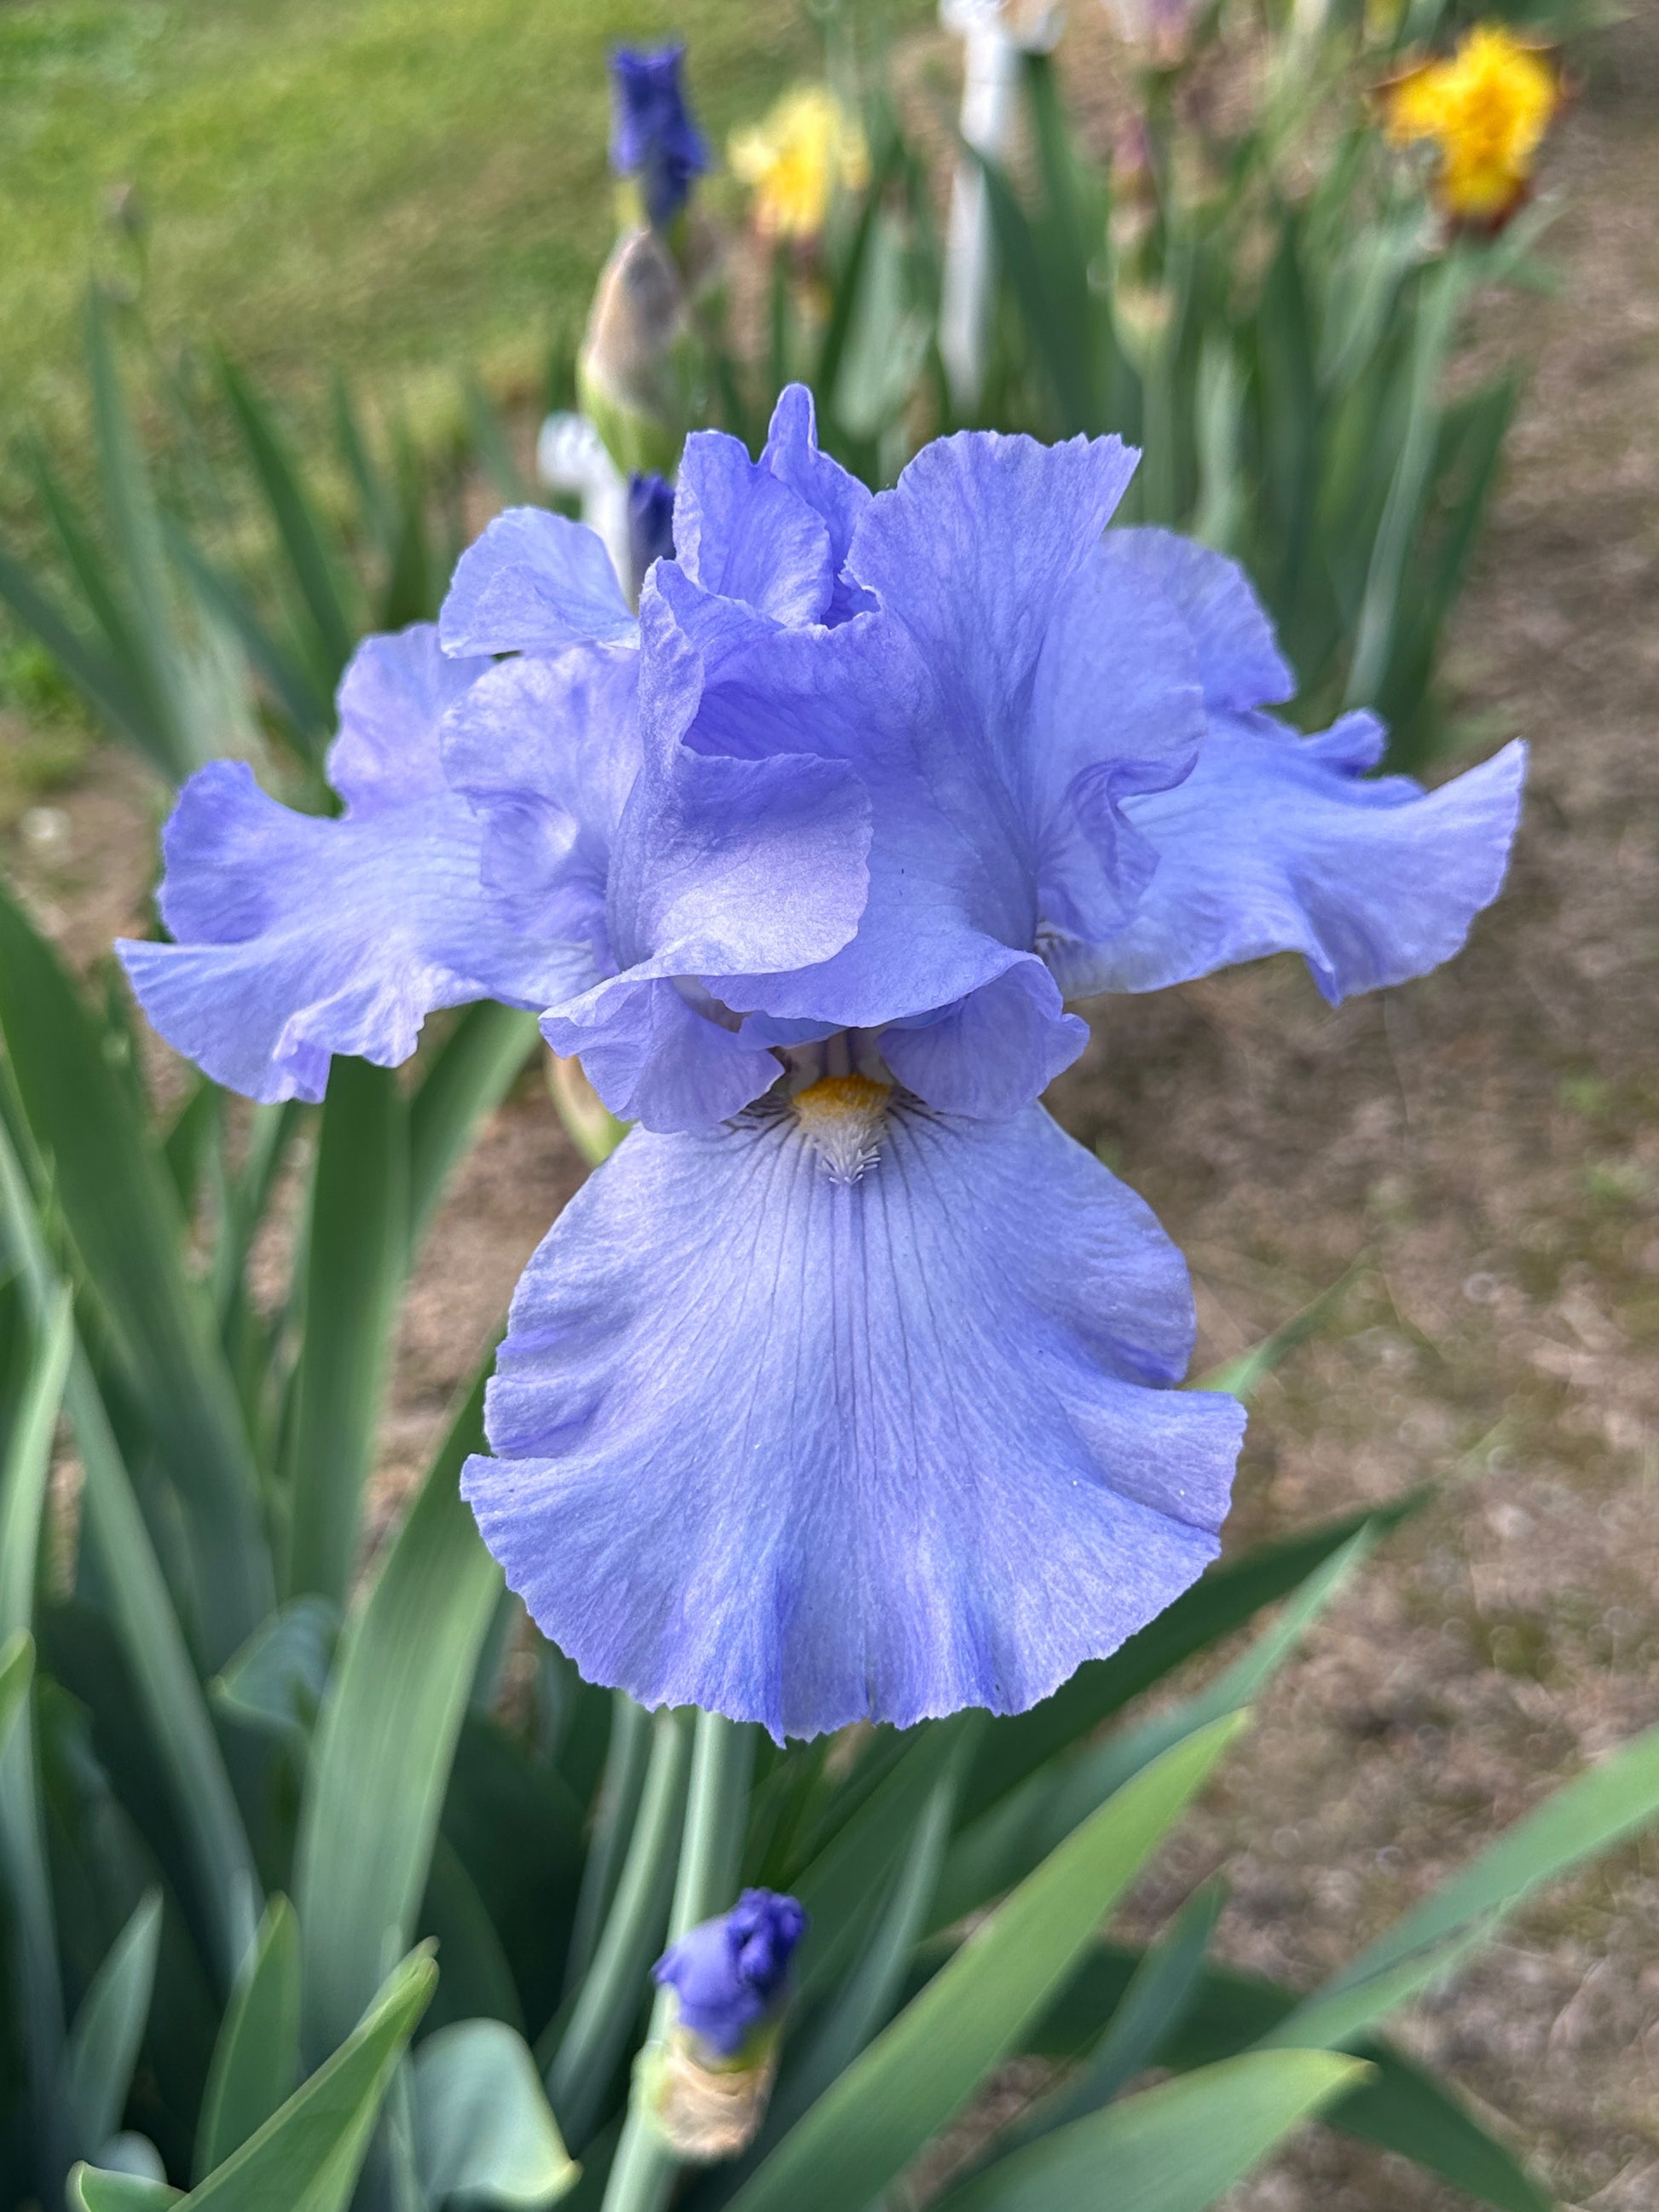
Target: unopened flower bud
630 375
709 2083
655 138
650 523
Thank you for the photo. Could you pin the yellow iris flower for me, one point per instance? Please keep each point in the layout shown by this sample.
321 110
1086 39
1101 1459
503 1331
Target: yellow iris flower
794 160
1484 112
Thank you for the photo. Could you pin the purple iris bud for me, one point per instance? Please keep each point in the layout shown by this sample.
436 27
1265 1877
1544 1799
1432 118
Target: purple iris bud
652 134
732 1975
650 522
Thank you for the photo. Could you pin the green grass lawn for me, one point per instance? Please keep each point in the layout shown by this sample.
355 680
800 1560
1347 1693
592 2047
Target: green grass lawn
398 188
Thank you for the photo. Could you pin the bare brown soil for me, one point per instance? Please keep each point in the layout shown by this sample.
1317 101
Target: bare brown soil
1486 1145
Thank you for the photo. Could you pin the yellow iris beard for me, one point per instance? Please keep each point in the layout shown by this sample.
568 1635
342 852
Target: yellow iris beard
1486 112
841 1117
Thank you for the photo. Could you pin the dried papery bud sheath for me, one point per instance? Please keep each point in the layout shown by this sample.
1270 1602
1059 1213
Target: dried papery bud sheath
630 374
707 2087
706 2108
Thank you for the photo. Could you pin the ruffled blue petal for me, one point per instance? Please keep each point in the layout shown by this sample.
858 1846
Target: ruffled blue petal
804 1451
299 937
658 1053
1117 708
741 533
973 549
535 582
1238 658
993 1051
547 751
947 911
793 455
391 703
1276 843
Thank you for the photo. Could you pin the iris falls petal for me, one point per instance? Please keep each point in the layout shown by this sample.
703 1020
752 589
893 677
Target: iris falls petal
805 1445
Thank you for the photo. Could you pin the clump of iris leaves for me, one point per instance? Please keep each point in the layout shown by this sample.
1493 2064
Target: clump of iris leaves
324 1888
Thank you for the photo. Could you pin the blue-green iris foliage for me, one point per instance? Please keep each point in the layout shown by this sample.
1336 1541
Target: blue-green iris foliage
848 1386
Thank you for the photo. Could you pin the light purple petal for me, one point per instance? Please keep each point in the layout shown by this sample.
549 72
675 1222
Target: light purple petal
972 549
993 1051
547 751
535 582
1238 656
391 701
1275 844
793 455
806 1452
656 1059
741 533
947 909
1117 708
732 865
299 937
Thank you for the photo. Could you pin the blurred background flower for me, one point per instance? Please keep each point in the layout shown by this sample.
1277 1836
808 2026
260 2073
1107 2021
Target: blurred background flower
1484 112
796 159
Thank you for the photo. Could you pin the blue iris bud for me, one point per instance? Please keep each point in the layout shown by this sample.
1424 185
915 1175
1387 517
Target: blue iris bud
730 1976
652 134
650 522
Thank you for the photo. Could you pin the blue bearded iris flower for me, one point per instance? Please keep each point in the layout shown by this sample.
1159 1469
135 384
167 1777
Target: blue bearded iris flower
654 136
846 1388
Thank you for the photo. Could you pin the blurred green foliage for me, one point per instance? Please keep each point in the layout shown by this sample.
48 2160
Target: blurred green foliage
391 188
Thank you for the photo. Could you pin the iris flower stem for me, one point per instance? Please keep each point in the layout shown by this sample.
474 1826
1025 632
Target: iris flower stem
619 1803
711 1854
593 2043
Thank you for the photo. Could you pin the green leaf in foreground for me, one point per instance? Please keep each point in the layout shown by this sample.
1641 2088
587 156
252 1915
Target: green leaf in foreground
356 1251
1175 2149
103 2046
483 2129
17 1671
91 2189
920 2072
386 1737
256 2056
306 2158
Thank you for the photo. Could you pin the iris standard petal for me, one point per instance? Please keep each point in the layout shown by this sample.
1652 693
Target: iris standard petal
534 582
298 937
1277 843
804 1451
793 456
972 549
944 915
547 750
742 533
657 1057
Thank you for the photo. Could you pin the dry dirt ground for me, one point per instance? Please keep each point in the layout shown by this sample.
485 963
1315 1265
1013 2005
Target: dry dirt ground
1485 1145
